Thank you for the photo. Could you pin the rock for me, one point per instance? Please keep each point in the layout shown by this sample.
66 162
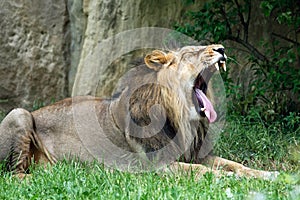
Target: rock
34 53
77 28
107 18
47 46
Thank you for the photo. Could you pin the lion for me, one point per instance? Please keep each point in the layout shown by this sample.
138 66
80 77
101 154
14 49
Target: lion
157 118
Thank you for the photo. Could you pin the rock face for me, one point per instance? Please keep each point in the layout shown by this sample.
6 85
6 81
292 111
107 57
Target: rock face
77 28
107 18
34 53
47 46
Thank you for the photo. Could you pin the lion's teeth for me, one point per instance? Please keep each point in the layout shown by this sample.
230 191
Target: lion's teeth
224 66
217 66
202 109
222 61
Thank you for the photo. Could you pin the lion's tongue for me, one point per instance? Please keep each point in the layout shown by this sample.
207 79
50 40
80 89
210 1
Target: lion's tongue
209 109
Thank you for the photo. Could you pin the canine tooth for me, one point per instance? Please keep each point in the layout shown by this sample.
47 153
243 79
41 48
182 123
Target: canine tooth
224 66
217 66
202 109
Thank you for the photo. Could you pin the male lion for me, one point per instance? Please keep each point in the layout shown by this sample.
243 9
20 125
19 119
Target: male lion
158 116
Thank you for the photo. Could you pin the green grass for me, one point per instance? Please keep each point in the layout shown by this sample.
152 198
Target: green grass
274 146
253 143
80 181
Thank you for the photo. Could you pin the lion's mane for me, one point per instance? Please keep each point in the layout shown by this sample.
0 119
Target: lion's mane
161 89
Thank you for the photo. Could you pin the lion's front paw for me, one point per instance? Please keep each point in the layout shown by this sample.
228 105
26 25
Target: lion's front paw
271 176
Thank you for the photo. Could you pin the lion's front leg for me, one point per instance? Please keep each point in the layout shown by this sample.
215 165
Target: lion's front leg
219 163
197 169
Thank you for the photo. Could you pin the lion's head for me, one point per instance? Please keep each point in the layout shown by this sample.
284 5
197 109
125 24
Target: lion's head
190 69
163 105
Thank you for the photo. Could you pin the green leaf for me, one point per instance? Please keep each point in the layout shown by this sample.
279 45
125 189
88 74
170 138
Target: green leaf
267 8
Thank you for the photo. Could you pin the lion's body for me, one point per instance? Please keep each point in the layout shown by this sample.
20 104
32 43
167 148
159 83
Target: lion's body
57 131
153 118
52 128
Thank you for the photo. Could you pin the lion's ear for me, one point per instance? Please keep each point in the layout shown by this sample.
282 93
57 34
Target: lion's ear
157 59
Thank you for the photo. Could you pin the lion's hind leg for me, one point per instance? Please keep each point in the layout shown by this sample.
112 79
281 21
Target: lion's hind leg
17 140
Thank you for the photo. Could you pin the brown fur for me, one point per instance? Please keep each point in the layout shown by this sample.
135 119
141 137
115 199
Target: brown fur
152 109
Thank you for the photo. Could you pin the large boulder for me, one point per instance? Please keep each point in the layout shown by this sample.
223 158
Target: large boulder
34 53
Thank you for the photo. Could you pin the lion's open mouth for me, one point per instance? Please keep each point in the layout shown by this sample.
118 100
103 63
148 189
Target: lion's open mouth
203 105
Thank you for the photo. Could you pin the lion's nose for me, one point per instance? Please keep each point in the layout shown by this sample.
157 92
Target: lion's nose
220 50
